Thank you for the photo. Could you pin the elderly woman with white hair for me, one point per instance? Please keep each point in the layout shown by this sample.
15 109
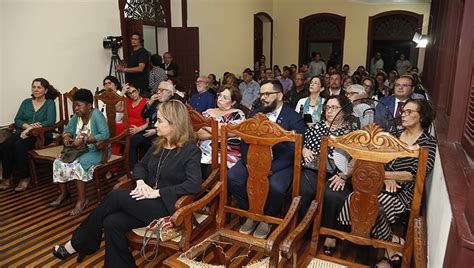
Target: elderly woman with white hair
362 108
163 93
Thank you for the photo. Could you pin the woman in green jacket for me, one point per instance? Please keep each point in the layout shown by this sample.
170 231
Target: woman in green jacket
86 127
37 111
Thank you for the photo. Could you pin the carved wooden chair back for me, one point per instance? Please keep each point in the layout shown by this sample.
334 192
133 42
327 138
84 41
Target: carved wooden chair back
110 98
67 100
261 135
372 148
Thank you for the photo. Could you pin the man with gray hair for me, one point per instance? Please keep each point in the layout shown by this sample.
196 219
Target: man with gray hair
163 93
362 110
203 99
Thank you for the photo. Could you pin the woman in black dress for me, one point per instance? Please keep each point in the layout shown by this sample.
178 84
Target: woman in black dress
169 170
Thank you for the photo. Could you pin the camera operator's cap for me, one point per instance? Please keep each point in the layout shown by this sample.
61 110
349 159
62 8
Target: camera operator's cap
359 89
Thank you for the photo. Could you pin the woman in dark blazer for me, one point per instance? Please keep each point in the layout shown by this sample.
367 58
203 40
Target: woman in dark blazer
170 169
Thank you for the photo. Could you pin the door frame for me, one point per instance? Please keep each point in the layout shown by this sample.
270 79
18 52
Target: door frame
267 16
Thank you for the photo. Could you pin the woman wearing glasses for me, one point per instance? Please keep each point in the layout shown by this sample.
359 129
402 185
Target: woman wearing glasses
335 121
136 123
312 105
397 195
227 112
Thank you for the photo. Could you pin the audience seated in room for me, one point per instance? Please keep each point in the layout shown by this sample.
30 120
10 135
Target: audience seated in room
227 112
380 88
334 122
169 170
86 127
397 194
285 80
271 96
202 99
35 112
313 104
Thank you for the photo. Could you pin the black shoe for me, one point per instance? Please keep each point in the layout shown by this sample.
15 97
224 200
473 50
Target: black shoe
61 253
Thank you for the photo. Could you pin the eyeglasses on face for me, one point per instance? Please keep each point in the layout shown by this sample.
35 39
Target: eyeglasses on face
367 85
402 85
200 82
225 97
130 92
332 107
267 94
408 111
348 94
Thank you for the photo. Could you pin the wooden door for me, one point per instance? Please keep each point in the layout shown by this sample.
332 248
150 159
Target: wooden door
183 43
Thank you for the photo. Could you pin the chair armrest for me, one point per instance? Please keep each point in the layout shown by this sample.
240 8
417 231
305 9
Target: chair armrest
39 133
126 184
104 144
206 186
178 216
287 247
277 235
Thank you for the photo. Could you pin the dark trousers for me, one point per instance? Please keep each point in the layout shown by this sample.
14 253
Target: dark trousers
333 201
117 214
279 183
135 142
14 153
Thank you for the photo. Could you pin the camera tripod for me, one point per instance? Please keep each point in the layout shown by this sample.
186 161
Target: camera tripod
114 60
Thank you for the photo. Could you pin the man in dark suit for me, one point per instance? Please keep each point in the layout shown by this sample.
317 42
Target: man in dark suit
171 68
281 174
388 110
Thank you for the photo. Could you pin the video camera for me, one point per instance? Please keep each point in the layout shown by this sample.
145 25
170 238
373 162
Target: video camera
112 42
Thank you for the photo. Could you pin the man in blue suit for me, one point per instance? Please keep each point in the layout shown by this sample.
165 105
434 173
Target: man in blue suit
281 174
388 110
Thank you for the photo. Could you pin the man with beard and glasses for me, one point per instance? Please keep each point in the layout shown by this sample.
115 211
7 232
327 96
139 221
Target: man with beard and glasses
281 173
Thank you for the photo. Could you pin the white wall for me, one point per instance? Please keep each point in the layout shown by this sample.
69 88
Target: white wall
438 215
60 40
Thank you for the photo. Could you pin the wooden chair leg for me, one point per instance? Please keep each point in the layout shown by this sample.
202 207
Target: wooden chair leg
33 175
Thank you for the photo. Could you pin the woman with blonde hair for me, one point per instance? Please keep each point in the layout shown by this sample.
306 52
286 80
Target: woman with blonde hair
170 169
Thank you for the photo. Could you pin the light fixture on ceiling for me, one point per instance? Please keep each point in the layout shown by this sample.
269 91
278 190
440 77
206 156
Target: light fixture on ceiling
420 40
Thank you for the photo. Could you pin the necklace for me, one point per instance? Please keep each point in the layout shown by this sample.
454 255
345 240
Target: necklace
160 164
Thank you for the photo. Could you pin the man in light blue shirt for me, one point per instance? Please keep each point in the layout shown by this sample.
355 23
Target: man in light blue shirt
249 89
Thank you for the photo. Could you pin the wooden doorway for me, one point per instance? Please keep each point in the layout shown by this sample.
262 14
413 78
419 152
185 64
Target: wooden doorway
391 33
324 33
263 38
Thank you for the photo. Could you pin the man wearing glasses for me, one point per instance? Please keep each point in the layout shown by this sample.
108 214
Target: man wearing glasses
163 93
203 99
281 173
388 110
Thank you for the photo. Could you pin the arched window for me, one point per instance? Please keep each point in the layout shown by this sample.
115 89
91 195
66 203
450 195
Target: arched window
391 33
324 33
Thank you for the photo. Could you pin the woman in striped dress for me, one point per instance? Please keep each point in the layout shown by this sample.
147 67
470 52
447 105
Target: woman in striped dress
400 173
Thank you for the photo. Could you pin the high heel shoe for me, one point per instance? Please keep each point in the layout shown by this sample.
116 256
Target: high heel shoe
75 211
58 202
63 254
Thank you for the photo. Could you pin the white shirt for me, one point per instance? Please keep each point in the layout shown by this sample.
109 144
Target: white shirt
273 116
338 92
396 106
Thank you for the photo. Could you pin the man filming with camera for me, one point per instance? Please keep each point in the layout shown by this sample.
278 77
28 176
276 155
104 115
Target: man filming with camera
136 70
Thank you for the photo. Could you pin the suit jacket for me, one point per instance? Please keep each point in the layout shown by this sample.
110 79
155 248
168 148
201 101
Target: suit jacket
386 108
283 153
172 67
